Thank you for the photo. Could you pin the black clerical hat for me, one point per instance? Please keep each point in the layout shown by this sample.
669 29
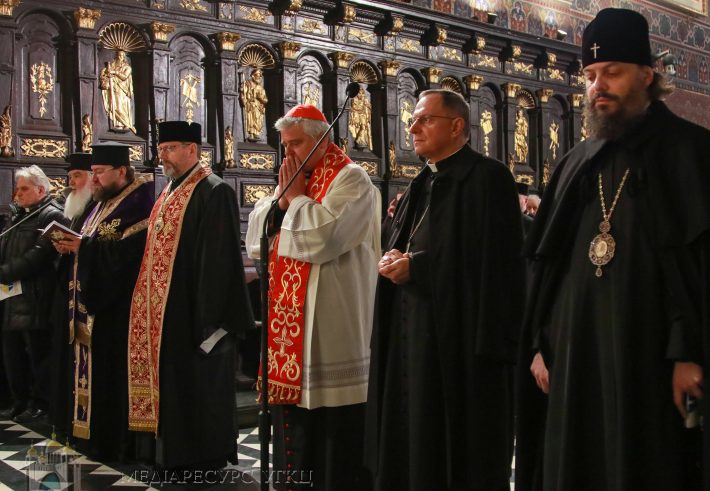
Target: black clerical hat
523 188
616 35
179 131
110 153
79 161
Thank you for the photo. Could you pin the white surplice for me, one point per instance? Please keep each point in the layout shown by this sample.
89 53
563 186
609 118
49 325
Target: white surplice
340 237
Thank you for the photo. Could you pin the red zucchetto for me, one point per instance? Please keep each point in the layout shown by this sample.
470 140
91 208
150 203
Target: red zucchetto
306 111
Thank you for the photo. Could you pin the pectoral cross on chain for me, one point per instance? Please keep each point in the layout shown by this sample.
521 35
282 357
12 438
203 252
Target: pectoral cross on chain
594 48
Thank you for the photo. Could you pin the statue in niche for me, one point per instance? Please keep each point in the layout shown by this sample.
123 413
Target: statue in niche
554 138
360 120
6 149
546 173
394 165
521 136
406 117
116 84
253 99
87 133
229 148
311 95
487 127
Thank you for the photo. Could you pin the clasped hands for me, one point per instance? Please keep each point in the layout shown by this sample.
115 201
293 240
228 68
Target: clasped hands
288 169
394 266
68 244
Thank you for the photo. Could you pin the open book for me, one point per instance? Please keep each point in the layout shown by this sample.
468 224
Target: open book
57 231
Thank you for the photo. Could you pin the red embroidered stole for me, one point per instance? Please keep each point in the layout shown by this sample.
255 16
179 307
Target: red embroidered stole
150 298
288 284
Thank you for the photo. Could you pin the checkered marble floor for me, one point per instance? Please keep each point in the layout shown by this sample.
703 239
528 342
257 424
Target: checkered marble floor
29 460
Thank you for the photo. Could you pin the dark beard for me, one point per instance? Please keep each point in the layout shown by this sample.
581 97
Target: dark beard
106 193
610 126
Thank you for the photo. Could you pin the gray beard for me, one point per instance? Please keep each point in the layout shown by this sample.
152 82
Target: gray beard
76 202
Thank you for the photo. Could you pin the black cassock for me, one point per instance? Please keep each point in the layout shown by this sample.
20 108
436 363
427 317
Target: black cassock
439 409
207 292
610 342
62 358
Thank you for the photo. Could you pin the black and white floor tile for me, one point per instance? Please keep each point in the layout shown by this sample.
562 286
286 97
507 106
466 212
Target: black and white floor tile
29 460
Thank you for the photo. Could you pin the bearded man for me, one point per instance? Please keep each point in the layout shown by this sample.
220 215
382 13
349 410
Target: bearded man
618 310
106 260
79 202
77 206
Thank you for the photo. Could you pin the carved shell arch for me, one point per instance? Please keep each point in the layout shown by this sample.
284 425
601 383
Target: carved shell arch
256 55
121 36
525 99
450 83
362 72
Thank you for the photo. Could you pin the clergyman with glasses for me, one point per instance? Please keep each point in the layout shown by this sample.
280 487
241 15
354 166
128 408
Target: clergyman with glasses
439 408
189 305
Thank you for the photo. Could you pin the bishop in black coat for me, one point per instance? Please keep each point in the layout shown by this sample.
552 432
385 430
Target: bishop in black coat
611 342
439 412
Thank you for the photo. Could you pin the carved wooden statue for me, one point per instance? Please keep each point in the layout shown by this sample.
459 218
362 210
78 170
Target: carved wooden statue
406 116
487 127
554 139
87 133
360 120
229 148
394 165
253 99
311 95
521 136
6 149
116 84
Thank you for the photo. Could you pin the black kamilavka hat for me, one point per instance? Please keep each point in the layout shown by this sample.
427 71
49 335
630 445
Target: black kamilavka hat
110 153
179 131
79 161
617 35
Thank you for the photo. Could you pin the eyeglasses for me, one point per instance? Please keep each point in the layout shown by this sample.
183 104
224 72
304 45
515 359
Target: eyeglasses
101 172
426 120
171 148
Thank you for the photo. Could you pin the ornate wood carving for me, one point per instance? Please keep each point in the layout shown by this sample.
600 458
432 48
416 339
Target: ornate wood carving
86 18
7 7
161 30
43 148
544 94
289 49
254 192
227 40
257 161
473 82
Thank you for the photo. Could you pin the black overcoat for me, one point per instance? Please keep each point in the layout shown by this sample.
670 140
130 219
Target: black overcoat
669 177
474 276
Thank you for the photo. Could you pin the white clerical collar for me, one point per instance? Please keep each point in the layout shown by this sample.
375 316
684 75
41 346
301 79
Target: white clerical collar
432 165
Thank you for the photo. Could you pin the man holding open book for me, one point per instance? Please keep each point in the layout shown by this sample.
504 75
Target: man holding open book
107 256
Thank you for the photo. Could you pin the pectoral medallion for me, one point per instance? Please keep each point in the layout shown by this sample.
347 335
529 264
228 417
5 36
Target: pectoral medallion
158 224
601 250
